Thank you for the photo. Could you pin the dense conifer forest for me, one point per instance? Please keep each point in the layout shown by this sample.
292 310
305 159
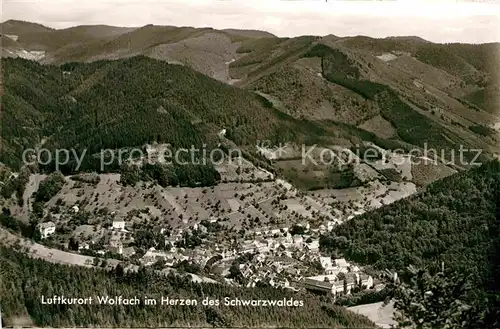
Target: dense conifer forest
452 228
24 280
124 104
454 221
131 102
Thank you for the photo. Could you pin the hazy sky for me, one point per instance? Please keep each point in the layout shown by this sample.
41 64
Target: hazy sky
436 20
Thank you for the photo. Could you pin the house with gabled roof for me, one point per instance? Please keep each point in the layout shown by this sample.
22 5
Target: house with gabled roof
46 229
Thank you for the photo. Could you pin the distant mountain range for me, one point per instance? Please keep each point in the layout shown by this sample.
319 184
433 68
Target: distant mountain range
397 92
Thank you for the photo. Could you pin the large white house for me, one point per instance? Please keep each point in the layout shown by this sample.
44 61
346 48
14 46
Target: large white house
331 284
119 224
46 229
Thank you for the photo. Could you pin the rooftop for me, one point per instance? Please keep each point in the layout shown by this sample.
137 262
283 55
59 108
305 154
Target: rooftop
47 225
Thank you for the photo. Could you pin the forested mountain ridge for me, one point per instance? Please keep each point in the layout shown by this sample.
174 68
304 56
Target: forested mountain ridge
448 90
443 244
319 83
90 106
397 93
455 223
205 49
129 103
242 57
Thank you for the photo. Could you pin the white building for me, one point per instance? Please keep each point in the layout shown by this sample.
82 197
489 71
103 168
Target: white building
341 262
298 240
364 280
119 224
116 246
330 225
84 245
337 287
47 229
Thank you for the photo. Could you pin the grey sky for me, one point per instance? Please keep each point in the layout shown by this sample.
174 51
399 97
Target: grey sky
437 20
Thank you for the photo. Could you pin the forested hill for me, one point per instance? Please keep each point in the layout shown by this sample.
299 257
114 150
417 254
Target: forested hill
139 100
25 280
455 221
445 245
112 104
130 102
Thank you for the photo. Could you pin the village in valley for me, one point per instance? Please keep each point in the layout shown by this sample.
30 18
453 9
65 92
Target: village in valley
282 257
250 229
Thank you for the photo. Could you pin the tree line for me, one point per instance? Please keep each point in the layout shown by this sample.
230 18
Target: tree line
24 280
454 224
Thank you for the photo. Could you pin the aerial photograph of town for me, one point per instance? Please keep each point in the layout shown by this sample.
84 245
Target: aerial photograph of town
249 164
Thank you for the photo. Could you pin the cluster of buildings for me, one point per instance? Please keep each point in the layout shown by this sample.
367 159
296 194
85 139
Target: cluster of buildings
271 256
339 278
